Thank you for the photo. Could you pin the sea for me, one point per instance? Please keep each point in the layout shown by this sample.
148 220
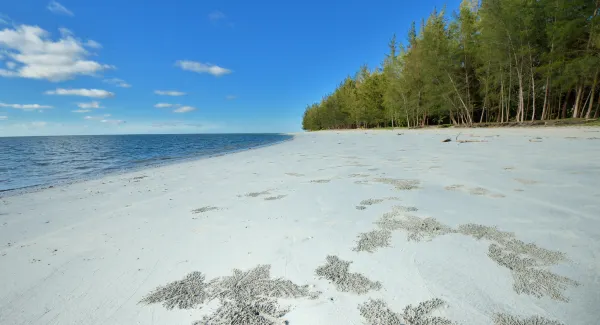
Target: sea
29 163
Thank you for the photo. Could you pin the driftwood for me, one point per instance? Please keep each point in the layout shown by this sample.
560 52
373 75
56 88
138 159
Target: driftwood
463 141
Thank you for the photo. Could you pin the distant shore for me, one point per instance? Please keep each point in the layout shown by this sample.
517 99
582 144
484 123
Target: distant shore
335 227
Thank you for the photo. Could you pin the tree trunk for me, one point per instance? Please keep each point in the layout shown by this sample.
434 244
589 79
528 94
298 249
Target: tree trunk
589 111
482 112
577 101
532 83
501 115
521 113
547 92
460 98
510 86
564 108
467 80
532 96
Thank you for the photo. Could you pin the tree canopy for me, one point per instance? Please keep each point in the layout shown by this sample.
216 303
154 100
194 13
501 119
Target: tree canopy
492 61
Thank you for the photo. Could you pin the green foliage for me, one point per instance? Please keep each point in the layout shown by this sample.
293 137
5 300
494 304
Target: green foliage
494 61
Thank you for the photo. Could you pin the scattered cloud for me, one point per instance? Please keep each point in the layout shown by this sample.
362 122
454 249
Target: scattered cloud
25 107
89 105
117 82
216 15
114 122
198 67
59 9
11 65
231 97
169 93
3 117
38 56
166 105
39 124
93 44
97 117
93 93
185 109
65 32
4 19
219 18
82 111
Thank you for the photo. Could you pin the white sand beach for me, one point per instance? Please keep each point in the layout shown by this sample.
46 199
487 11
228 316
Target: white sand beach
404 208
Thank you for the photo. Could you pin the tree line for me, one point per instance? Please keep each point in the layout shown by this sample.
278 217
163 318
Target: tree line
492 61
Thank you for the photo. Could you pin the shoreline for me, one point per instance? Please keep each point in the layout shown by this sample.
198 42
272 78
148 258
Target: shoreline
402 219
126 170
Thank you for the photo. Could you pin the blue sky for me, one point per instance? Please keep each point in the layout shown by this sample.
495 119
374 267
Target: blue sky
103 67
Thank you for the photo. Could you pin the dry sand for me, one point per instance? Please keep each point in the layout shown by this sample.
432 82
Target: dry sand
355 227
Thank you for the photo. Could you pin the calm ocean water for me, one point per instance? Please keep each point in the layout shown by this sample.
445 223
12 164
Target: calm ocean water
27 162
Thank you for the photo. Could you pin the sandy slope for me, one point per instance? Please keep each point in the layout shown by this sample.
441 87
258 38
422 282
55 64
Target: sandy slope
87 253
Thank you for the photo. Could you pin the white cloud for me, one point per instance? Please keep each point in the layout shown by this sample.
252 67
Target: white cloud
93 93
2 117
39 124
198 67
117 82
185 109
231 97
57 8
97 117
114 122
82 111
65 32
25 107
169 93
39 57
11 65
165 105
216 15
89 105
93 44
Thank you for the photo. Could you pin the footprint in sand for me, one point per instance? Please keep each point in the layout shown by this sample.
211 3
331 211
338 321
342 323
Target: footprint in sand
368 202
320 181
273 198
477 191
257 194
526 181
204 209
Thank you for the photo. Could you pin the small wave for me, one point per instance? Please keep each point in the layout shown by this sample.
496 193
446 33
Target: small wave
149 160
